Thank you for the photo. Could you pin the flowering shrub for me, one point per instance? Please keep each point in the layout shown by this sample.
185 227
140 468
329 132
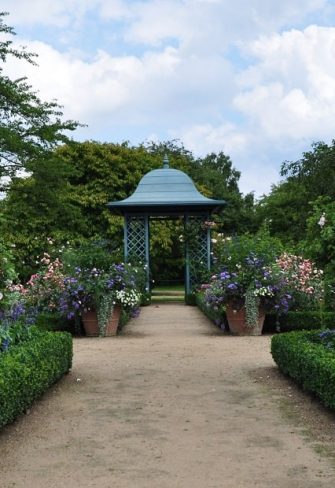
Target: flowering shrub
303 279
250 274
87 289
252 281
66 290
7 275
128 298
43 290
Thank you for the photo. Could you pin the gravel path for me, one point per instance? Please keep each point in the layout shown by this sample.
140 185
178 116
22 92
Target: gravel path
170 403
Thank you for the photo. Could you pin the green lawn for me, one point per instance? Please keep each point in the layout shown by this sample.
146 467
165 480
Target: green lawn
163 288
168 293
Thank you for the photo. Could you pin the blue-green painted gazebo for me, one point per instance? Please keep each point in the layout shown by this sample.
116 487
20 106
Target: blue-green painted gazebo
167 193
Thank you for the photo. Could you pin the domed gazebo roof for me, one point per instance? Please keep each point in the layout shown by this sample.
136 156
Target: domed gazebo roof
165 191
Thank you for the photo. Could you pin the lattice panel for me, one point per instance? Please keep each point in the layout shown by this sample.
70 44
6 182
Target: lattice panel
198 251
136 238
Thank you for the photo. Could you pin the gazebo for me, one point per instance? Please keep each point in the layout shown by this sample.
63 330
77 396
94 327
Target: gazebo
167 193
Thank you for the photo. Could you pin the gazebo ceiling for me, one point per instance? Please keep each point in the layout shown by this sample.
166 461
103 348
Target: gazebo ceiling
165 191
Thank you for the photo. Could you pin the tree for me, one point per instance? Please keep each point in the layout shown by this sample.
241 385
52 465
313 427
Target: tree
285 211
216 174
291 202
30 129
315 171
87 176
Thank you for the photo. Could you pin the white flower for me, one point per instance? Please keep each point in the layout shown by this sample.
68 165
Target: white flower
322 220
1 295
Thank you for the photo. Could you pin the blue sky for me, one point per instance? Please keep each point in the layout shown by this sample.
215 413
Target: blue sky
252 78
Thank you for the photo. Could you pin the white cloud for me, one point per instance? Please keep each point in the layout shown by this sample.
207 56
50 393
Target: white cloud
46 12
204 137
175 74
156 88
290 91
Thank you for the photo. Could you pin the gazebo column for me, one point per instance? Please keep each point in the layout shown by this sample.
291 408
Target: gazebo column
136 241
197 249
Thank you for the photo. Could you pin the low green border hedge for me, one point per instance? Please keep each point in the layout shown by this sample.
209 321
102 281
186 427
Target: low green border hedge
310 364
28 369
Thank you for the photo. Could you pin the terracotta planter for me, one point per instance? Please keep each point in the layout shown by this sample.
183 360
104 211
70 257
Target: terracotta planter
91 325
113 323
90 322
238 325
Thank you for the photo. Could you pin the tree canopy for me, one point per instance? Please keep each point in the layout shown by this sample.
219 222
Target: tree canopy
89 174
30 128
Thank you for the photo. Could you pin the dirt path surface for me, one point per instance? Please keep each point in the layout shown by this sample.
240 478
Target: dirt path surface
170 403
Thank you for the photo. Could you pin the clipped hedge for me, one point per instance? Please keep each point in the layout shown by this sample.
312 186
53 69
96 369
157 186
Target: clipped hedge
310 364
27 370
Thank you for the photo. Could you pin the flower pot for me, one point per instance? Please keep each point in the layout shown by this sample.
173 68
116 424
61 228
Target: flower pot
90 322
238 324
113 323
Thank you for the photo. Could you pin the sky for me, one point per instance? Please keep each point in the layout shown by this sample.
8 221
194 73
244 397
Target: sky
252 78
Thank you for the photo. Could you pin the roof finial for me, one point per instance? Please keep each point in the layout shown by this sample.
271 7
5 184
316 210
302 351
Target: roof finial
166 164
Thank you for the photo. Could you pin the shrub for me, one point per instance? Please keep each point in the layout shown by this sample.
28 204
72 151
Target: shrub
309 320
303 357
215 314
190 299
28 369
53 321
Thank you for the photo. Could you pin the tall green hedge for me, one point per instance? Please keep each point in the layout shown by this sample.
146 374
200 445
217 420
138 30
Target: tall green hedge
28 369
310 364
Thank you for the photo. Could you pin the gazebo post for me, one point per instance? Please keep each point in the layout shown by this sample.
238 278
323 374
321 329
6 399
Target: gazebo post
187 259
197 252
209 244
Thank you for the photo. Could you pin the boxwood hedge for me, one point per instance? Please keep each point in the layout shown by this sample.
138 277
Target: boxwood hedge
309 363
28 369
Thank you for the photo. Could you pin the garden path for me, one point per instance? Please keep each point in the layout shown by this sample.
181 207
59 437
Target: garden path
170 403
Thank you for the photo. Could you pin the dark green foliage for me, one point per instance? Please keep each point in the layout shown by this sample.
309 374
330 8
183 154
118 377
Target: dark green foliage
146 298
285 211
292 201
218 179
27 371
82 177
315 170
307 320
53 321
90 254
125 316
190 299
309 363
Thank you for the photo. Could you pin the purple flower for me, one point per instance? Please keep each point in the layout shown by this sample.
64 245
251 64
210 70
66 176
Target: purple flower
224 275
232 286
